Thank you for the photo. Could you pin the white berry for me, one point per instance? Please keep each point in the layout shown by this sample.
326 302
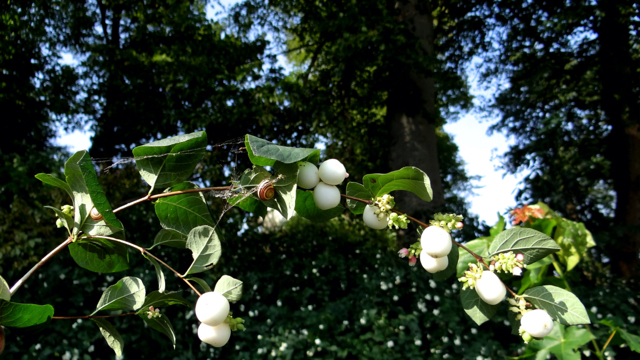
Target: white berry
307 175
212 308
490 288
214 335
372 219
537 323
332 172
431 264
436 242
326 196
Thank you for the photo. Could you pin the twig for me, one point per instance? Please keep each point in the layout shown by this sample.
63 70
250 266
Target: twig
89 316
608 341
37 266
145 251
173 193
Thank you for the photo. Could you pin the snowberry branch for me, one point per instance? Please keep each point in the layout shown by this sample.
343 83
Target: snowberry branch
90 316
37 266
145 251
425 225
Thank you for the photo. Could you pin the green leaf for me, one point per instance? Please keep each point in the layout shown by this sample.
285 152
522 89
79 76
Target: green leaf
533 244
498 227
478 310
24 315
114 340
183 212
161 300
5 290
358 191
562 305
170 161
229 287
479 246
126 294
562 342
285 186
450 269
205 247
100 255
170 238
306 208
96 193
408 178
67 220
82 203
156 264
203 284
54 181
264 153
161 324
632 340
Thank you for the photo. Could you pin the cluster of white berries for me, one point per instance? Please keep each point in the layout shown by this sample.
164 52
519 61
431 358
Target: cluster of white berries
212 309
323 181
436 244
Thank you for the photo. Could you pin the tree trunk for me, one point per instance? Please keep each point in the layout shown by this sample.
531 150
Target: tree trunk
411 113
620 105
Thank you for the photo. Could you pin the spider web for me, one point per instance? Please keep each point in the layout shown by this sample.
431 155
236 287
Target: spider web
234 146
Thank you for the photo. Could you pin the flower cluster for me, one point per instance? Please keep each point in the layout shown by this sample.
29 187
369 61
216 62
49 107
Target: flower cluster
518 306
412 253
66 209
447 222
471 276
509 263
153 313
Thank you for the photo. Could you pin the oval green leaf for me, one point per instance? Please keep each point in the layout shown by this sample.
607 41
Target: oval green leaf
205 247
170 238
170 161
562 305
156 265
126 294
532 243
358 191
408 178
100 255
161 300
229 287
161 324
265 153
478 310
203 284
109 332
183 212
5 290
24 315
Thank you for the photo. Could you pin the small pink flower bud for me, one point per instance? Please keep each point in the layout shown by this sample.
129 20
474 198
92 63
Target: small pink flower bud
403 252
520 257
517 271
150 308
459 225
412 261
346 175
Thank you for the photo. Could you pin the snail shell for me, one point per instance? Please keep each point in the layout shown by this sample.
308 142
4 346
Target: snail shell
95 215
266 190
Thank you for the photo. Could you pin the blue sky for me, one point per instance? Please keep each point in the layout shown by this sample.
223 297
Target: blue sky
495 192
